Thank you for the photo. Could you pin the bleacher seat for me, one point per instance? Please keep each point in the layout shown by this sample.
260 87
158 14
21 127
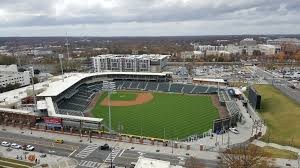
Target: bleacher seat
134 85
152 86
164 87
188 88
212 90
200 89
142 85
126 84
175 87
119 84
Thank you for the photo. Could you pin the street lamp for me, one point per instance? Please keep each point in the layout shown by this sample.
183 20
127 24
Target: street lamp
109 87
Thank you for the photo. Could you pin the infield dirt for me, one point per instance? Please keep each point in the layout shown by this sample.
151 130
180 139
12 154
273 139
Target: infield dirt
140 99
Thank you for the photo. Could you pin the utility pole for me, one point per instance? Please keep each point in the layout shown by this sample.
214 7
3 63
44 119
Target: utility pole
67 44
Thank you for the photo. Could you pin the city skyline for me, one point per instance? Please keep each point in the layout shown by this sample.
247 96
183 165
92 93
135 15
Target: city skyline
148 18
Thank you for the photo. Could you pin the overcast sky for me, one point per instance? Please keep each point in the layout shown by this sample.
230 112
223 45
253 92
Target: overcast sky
148 17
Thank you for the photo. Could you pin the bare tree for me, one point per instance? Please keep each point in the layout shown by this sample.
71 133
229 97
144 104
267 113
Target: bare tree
245 157
193 162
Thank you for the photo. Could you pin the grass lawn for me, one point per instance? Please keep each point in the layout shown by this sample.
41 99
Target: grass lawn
282 115
125 96
278 153
176 115
12 163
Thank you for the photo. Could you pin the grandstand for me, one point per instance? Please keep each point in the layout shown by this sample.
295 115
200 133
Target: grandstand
163 87
233 110
152 86
223 97
176 87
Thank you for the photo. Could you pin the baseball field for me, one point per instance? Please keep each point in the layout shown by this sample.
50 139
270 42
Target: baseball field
158 115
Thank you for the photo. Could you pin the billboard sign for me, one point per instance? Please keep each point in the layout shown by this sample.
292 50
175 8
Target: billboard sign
50 120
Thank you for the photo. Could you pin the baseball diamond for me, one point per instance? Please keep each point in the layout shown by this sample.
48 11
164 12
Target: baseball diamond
160 115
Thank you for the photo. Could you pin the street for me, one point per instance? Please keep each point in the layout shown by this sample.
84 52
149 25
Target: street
90 155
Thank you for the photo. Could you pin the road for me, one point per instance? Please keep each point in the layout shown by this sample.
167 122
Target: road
279 83
90 155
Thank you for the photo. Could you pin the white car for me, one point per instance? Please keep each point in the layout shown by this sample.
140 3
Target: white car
6 144
234 130
16 146
29 148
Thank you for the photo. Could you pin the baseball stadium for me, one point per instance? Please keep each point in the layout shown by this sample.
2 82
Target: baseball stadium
141 104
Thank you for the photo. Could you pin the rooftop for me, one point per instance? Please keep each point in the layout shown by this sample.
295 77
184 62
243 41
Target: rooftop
57 87
153 163
141 56
209 80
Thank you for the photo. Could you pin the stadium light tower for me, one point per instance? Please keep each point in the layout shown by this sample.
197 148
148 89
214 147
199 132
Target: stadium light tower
33 91
61 56
109 87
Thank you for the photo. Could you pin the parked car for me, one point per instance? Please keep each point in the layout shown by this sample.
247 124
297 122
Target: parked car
16 146
60 141
104 147
6 144
29 148
234 130
43 155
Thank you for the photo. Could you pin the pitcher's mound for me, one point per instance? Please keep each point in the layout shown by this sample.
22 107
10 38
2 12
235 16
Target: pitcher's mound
140 99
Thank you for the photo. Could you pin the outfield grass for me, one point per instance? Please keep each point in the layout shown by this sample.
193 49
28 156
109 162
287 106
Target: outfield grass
282 115
125 96
167 115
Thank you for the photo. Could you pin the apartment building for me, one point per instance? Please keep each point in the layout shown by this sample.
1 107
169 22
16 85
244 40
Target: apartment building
9 75
129 63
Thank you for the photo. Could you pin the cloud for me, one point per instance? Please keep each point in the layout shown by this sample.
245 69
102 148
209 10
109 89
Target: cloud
59 14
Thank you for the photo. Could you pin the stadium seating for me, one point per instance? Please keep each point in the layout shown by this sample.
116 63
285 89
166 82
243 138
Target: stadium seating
70 112
126 84
212 90
232 108
164 87
142 85
188 88
200 89
134 85
119 84
224 96
71 106
152 86
176 87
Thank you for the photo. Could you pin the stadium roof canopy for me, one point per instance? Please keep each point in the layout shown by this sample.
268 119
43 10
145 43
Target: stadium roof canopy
209 80
153 163
57 87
